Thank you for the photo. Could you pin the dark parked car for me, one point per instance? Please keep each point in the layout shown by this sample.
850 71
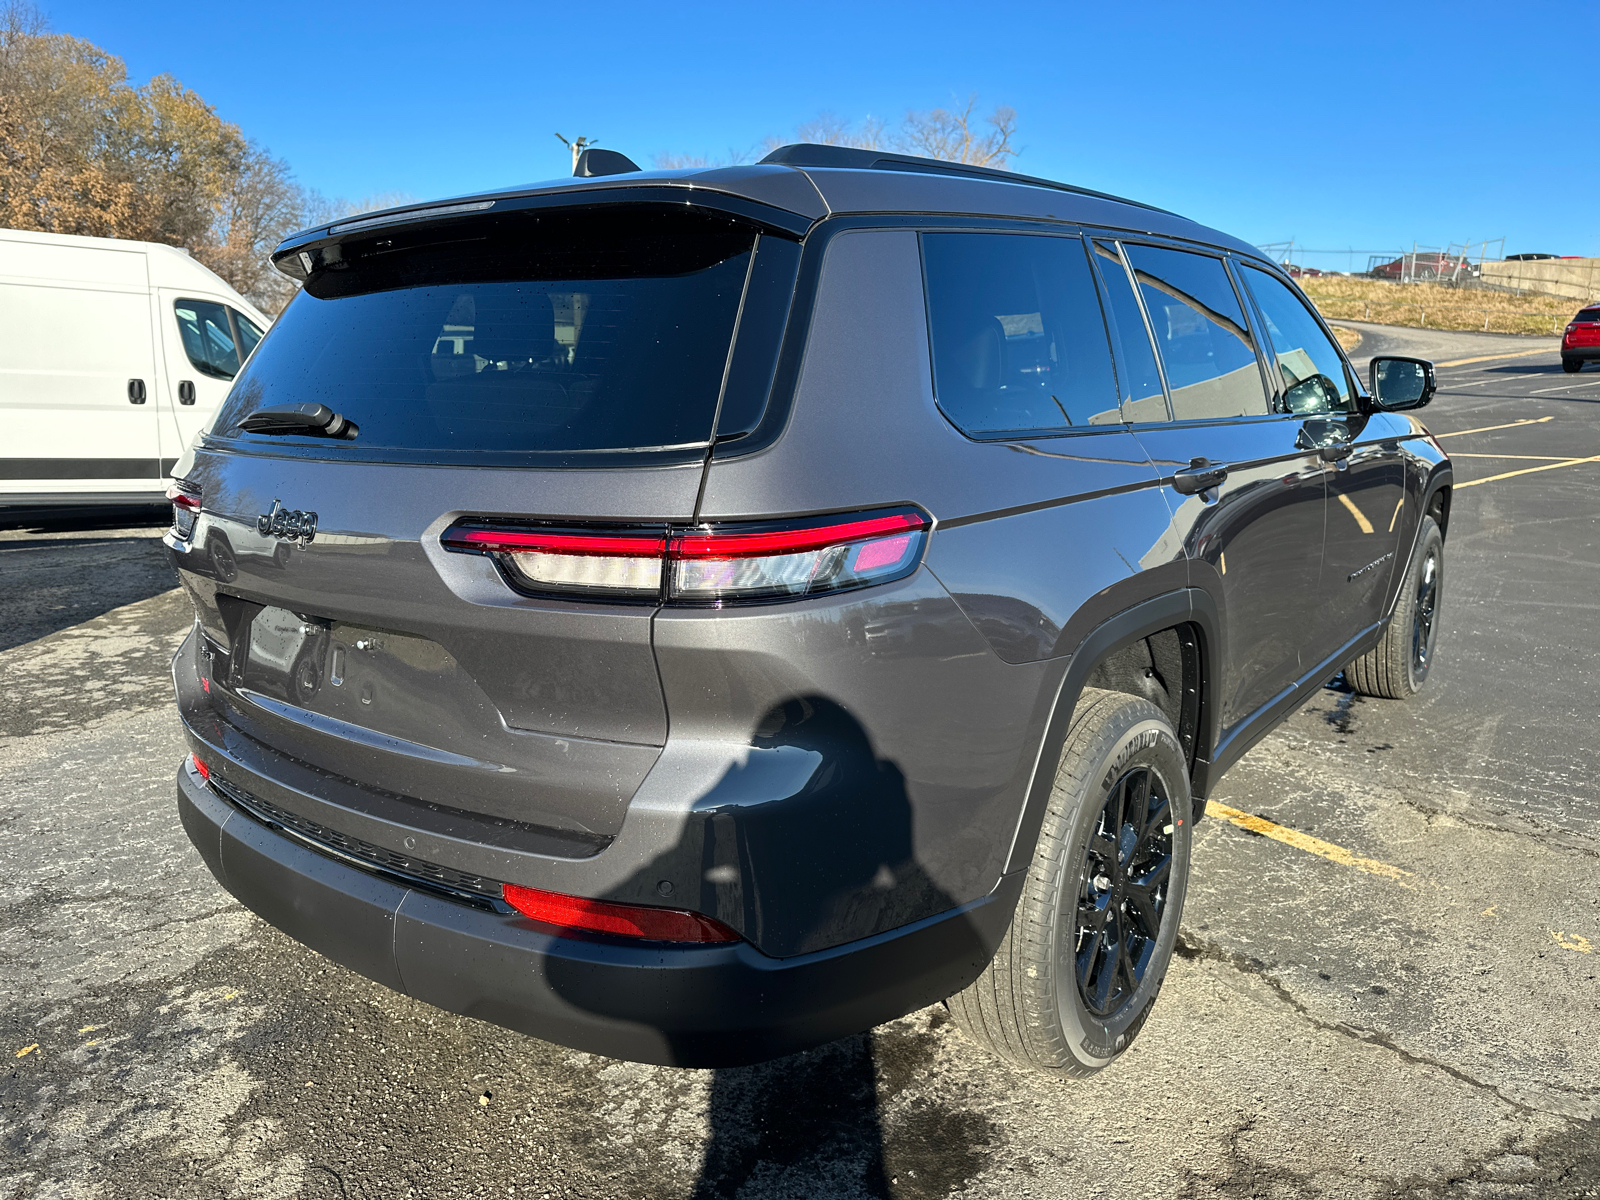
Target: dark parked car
695 615
1581 341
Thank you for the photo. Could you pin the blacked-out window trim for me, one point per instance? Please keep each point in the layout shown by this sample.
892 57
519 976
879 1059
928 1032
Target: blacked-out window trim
1149 334
1224 258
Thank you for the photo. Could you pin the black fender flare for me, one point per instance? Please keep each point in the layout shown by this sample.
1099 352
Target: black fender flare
1188 606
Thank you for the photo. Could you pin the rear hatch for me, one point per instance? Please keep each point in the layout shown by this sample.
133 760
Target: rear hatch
556 370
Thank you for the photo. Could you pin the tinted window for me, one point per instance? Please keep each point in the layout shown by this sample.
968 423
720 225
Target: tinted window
529 332
1588 314
1314 379
249 335
1201 333
1019 344
207 337
1142 396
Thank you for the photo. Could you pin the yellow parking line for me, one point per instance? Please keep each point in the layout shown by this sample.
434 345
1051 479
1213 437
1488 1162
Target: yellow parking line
1492 428
1361 517
1304 841
1570 462
1461 362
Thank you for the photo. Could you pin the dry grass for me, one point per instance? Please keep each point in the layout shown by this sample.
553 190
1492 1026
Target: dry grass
1435 306
1348 338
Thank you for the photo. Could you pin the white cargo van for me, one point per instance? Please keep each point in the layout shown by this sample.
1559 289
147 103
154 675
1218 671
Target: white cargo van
113 355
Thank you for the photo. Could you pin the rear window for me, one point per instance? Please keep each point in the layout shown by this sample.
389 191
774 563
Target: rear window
528 332
1588 314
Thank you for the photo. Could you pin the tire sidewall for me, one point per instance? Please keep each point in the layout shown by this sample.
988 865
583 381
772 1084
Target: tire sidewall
1143 740
1431 542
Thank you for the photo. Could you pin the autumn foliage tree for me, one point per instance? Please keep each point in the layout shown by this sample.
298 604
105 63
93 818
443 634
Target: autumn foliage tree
83 151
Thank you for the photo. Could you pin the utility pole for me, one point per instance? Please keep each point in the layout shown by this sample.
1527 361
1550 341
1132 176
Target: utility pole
577 146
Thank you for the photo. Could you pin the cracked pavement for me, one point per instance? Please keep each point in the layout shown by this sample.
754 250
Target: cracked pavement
1323 1031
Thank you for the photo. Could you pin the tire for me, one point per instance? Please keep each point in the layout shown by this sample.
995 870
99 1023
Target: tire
1056 996
1397 667
1572 365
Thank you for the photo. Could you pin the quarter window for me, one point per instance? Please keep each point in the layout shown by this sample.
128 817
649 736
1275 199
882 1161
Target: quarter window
1314 379
208 337
1201 332
1019 344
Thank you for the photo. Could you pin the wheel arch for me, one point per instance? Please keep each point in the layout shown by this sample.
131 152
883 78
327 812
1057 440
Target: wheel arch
1105 657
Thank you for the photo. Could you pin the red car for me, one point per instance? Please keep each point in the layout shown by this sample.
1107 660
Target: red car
1582 339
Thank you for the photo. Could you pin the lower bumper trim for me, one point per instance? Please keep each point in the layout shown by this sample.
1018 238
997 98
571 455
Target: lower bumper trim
693 1005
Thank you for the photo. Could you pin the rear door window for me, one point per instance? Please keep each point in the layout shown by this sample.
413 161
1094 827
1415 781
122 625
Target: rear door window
1312 370
1019 343
1201 333
575 330
1143 398
207 337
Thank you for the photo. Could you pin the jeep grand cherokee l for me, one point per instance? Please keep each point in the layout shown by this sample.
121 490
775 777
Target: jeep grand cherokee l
695 615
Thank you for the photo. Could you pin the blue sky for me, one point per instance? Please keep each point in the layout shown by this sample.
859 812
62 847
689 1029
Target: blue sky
1365 124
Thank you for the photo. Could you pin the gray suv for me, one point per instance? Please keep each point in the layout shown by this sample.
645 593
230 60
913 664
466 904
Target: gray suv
694 615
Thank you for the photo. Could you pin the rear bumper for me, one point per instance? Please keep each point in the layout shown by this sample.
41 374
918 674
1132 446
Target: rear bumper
1588 353
699 1006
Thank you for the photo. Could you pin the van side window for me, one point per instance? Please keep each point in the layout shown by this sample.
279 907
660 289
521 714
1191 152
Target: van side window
1019 345
249 335
1143 398
207 337
1314 379
1201 333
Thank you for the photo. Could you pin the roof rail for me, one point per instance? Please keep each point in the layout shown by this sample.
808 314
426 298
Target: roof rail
810 154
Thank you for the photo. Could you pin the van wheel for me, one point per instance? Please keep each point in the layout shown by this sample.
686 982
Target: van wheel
1572 365
1397 667
1076 975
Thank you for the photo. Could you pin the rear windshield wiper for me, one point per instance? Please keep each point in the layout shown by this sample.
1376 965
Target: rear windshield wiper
318 420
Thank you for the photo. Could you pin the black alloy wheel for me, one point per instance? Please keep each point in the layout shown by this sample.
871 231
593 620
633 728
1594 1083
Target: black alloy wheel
1122 899
1423 613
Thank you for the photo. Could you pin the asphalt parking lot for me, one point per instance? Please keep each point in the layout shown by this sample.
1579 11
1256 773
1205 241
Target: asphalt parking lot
1387 987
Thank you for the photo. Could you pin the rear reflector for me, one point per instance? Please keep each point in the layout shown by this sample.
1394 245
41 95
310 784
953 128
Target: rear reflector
200 767
621 920
711 565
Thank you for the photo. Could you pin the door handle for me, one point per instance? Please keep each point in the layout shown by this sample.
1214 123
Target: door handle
186 392
135 391
1201 474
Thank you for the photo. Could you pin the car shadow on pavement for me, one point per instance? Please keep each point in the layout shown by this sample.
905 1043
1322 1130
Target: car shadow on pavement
803 1125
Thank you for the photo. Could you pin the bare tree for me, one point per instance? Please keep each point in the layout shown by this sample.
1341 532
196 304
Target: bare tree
950 134
953 135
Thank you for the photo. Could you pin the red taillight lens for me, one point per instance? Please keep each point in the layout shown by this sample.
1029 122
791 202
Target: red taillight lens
717 566
185 499
707 566
201 769
621 920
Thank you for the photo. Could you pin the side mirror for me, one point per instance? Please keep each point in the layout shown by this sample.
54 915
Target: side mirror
1316 394
1401 383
